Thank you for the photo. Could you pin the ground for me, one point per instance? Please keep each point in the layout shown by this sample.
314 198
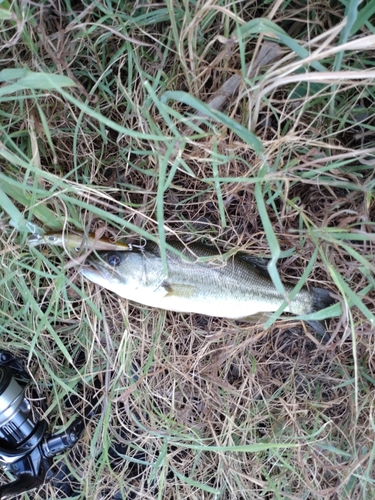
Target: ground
98 133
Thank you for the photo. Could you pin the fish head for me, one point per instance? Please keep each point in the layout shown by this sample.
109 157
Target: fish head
114 270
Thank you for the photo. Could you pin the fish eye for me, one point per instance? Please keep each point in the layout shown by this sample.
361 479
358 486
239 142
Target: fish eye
50 238
114 259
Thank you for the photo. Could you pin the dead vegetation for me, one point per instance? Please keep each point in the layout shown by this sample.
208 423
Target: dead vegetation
190 406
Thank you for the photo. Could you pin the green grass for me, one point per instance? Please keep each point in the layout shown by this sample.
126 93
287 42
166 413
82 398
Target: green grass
98 128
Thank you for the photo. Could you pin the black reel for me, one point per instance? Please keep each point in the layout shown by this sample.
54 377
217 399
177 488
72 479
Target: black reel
26 448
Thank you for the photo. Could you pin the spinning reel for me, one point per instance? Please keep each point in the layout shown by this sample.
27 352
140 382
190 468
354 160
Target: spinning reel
26 448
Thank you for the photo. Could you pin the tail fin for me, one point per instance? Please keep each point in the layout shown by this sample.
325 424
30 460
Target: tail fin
321 298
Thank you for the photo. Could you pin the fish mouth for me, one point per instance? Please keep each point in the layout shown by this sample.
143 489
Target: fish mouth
91 261
97 268
91 268
96 272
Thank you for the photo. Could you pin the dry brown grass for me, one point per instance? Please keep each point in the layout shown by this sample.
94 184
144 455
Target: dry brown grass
202 407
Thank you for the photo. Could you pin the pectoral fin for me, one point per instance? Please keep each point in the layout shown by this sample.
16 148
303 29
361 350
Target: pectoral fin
177 289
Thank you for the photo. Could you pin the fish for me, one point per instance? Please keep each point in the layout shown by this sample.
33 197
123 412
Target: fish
75 242
236 288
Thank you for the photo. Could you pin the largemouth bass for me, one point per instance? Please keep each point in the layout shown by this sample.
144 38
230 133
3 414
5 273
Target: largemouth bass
75 242
236 288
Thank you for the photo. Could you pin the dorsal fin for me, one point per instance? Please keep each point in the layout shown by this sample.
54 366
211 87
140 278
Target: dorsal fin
259 263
